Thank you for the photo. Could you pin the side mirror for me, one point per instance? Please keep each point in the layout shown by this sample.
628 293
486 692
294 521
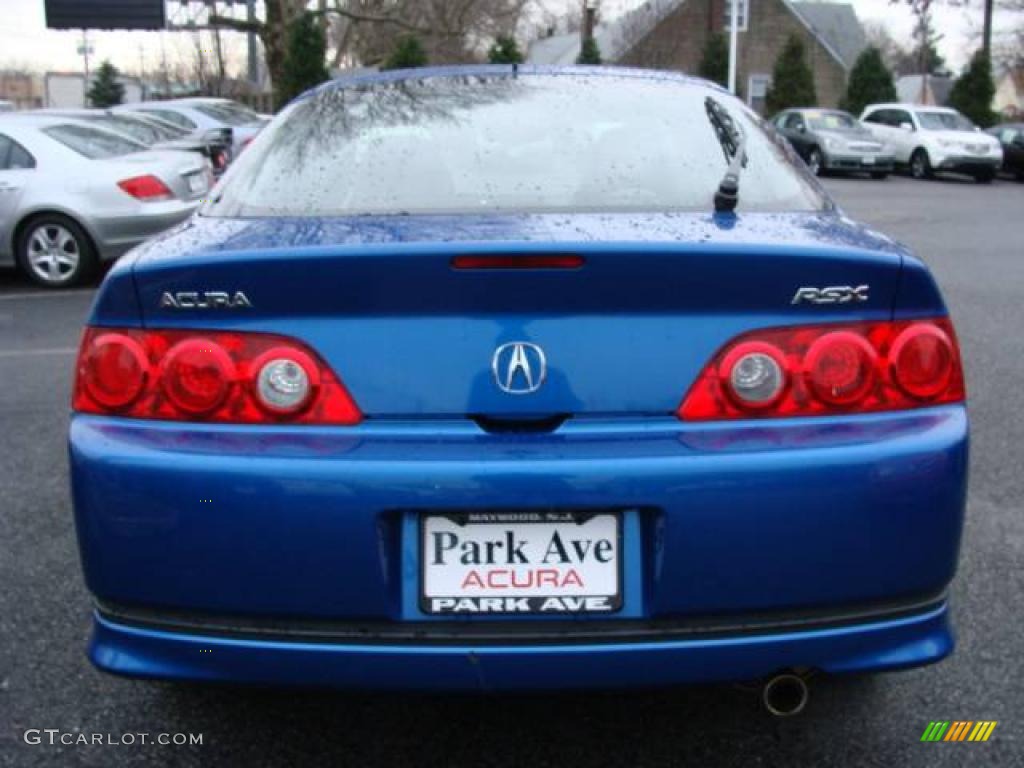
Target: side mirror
908 127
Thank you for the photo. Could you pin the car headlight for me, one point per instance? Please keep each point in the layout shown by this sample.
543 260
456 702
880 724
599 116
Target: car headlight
834 144
948 143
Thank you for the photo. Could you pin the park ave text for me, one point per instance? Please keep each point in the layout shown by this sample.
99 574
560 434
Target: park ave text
502 573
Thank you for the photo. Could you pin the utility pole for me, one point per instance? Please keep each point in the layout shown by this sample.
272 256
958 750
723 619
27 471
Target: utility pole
587 29
986 41
734 23
84 50
254 69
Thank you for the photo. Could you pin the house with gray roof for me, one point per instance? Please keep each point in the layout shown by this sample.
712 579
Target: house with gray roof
672 34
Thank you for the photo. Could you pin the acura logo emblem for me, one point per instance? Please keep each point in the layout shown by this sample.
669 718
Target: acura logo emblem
519 367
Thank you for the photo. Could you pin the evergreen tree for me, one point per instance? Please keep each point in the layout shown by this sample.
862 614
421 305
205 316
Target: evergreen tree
505 51
408 53
105 90
974 90
304 65
792 79
590 53
870 82
714 61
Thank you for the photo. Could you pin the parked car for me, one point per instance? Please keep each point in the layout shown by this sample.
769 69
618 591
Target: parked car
430 396
214 145
928 140
200 115
832 140
1011 137
73 195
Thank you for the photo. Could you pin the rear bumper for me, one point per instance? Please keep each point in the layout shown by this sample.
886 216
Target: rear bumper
887 644
116 235
800 518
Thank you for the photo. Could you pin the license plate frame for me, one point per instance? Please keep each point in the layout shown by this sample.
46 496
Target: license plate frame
565 598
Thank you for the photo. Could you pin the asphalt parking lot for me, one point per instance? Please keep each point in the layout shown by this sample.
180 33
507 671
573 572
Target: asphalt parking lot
971 235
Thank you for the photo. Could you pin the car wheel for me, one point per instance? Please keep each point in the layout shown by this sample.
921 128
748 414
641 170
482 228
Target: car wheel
55 252
920 166
879 175
816 162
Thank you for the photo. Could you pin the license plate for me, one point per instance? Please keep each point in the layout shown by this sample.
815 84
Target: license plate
869 160
196 183
520 562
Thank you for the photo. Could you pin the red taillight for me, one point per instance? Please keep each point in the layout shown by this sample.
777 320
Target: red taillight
840 367
113 369
518 261
819 370
148 188
244 378
922 360
196 375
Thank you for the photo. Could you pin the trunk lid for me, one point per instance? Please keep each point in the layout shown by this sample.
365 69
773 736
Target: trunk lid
184 172
626 332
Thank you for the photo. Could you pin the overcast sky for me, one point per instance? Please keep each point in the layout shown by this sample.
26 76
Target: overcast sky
25 41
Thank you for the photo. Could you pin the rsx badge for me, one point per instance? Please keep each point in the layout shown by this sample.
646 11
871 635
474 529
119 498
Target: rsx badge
204 300
834 294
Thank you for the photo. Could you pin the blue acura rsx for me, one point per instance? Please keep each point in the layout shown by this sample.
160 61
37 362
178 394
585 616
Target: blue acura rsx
504 378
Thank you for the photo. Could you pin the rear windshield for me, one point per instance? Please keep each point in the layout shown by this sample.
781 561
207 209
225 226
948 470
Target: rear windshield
91 142
567 143
175 118
225 114
135 129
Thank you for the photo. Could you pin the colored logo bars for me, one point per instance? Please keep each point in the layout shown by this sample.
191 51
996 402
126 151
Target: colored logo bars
959 730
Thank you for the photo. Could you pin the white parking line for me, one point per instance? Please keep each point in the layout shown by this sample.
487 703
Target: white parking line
42 295
38 352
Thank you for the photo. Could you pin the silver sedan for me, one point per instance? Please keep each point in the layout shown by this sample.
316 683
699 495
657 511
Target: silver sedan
73 195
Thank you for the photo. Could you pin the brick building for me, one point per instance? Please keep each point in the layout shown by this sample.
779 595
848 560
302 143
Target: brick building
671 34
21 89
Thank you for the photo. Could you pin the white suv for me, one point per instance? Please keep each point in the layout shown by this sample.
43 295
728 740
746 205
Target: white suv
931 139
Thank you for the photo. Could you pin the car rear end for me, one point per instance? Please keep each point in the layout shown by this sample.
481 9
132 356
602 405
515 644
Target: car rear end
139 195
495 451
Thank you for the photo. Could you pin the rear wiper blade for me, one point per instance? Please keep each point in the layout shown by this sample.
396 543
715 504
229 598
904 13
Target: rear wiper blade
734 146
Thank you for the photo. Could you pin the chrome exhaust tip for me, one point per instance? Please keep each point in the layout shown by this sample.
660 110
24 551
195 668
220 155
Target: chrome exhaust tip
785 695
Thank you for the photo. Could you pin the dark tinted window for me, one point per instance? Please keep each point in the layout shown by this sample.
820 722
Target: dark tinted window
794 121
526 144
13 156
900 116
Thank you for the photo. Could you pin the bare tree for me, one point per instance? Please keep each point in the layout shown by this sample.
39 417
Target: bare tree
363 32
